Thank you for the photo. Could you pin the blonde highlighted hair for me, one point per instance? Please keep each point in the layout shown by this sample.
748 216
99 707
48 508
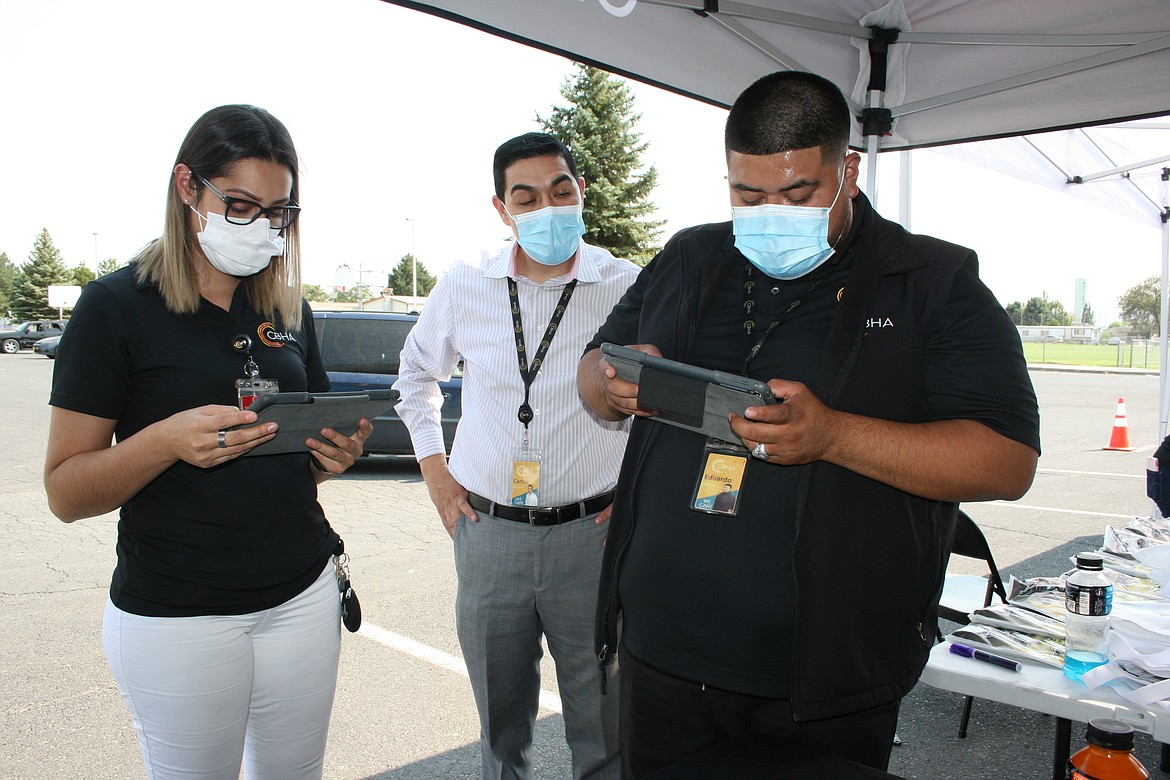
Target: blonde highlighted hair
216 142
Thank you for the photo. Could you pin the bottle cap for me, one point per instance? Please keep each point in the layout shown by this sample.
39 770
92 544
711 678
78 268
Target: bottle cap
1090 561
1110 734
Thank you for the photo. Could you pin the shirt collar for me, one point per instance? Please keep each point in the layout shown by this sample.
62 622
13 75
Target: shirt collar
585 269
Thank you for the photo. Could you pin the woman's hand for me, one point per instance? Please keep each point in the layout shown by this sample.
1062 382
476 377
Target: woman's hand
337 452
200 437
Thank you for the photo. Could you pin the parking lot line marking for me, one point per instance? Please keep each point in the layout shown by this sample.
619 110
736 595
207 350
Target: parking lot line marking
1091 473
432 655
1014 505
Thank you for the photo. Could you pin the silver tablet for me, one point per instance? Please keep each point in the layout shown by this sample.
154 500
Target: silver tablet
302 416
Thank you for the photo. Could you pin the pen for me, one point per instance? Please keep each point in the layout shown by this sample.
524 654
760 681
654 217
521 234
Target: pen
998 660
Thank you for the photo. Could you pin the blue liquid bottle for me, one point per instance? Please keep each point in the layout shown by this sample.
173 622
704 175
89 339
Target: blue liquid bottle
1088 598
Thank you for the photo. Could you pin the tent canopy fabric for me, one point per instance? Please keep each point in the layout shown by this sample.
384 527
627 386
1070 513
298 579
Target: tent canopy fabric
945 71
1120 167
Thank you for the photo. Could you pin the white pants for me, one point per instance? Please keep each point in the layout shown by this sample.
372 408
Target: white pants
209 692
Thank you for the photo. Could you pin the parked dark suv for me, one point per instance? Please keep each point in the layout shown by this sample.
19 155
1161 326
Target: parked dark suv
360 350
28 333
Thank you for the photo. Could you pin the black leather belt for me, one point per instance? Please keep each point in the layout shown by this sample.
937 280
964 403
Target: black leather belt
541 515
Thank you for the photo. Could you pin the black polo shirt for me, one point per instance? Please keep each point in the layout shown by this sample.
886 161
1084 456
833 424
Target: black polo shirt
694 600
240 537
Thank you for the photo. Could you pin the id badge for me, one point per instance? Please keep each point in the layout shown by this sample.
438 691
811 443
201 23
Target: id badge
721 477
251 388
526 477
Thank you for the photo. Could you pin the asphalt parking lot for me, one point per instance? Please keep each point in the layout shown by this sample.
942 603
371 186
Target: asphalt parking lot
403 709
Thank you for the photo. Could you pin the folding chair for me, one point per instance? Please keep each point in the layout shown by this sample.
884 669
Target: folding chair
962 594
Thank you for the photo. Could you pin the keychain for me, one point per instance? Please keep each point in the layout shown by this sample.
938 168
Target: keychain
351 610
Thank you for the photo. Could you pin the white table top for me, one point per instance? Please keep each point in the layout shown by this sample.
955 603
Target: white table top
1041 688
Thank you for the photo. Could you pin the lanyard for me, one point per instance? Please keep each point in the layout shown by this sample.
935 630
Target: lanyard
527 374
749 324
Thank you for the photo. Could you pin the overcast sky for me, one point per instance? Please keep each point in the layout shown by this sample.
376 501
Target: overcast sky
395 115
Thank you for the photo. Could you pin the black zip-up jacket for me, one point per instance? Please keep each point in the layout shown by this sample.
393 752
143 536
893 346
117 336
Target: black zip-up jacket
869 559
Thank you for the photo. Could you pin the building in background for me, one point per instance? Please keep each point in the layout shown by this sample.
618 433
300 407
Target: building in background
1080 298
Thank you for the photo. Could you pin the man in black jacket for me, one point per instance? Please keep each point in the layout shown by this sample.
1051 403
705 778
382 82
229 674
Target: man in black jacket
809 612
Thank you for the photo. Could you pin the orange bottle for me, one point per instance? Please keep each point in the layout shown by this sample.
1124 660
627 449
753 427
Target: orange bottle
1109 755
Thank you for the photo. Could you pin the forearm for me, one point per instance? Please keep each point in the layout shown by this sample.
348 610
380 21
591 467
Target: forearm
99 481
434 469
948 460
591 386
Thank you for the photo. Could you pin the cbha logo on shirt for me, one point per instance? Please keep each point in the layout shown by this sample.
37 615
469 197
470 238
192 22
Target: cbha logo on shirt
273 337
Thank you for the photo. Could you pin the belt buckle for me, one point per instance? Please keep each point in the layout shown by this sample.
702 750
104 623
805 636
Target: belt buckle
532 516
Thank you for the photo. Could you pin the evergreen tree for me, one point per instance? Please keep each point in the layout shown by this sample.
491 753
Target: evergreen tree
1141 305
81 275
7 273
598 126
108 266
1087 316
402 282
1015 310
30 287
1034 311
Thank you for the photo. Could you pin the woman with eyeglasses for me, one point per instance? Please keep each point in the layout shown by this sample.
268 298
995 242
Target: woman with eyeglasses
222 625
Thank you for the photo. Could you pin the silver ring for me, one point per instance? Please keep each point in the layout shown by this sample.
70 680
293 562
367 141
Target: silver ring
760 451
219 439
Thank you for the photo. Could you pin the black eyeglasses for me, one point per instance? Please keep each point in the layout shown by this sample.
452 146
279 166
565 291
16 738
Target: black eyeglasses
245 212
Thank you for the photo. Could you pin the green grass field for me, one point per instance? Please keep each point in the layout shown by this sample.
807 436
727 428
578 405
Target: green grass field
1143 355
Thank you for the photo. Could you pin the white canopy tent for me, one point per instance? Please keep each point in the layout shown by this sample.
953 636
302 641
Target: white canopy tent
918 73
1110 165
932 71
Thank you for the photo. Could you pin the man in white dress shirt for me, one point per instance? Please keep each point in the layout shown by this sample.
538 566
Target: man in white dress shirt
520 321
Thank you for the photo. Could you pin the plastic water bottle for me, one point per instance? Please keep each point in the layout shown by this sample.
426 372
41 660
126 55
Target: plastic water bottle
1109 755
1088 598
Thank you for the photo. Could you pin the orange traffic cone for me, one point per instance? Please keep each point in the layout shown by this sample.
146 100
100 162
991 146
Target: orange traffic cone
1119 439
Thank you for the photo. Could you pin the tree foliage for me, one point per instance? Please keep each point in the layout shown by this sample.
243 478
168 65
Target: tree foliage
402 282
81 275
1015 311
7 274
355 294
108 266
1087 316
1033 313
1041 311
314 292
597 124
1141 306
30 286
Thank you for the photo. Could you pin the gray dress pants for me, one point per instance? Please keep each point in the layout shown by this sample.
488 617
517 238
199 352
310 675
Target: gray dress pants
517 582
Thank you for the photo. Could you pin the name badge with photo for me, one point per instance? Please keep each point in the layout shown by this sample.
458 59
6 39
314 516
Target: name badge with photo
721 479
526 478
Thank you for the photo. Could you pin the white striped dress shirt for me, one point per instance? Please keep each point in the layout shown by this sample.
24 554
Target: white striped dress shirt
468 316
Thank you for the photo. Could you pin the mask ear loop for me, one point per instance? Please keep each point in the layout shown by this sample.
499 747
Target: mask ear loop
840 189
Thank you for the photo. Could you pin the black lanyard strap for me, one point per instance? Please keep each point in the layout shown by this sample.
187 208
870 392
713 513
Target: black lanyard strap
527 373
750 325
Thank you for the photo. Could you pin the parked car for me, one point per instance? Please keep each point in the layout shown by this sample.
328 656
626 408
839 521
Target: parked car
1113 342
47 347
360 350
28 333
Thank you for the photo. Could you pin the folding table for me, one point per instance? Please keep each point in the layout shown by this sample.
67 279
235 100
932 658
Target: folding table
1043 689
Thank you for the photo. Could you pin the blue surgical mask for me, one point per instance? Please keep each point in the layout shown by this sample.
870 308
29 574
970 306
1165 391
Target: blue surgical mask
785 242
551 235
